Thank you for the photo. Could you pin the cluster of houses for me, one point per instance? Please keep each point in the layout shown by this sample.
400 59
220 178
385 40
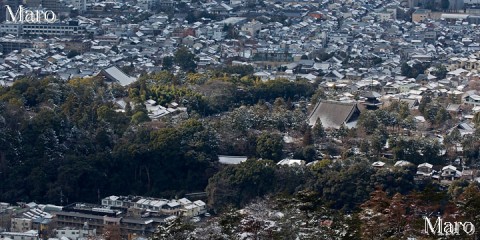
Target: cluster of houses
346 46
366 30
444 174
134 217
180 207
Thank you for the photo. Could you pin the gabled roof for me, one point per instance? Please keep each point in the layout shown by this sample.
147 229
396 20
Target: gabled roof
291 162
334 74
402 163
333 114
378 164
231 159
113 73
449 167
427 165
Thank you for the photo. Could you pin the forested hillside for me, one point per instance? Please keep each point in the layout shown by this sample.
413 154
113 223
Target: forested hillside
66 141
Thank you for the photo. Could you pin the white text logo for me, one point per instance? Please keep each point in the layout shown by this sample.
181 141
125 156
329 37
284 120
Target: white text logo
23 15
441 228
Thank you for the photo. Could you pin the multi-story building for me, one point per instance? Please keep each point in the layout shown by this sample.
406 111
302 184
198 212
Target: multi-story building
252 28
137 226
29 235
145 4
8 45
165 4
76 216
31 219
57 6
58 29
80 5
181 207
80 46
420 15
21 224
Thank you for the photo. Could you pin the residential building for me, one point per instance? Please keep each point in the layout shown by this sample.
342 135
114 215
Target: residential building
29 235
471 98
421 15
21 224
57 29
76 233
8 45
425 169
252 28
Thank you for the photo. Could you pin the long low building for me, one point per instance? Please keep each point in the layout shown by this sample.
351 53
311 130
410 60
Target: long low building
56 29
76 216
180 207
29 235
8 45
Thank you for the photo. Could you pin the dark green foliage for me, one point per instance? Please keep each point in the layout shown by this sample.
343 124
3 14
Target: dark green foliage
318 131
377 60
72 54
471 146
72 143
237 185
167 63
440 71
128 69
417 151
433 111
140 117
154 162
272 90
368 121
398 180
232 31
309 153
196 16
185 59
242 70
242 183
208 95
413 71
270 146
470 204
345 188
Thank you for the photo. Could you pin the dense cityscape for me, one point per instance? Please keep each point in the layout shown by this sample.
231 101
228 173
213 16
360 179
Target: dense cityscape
239 119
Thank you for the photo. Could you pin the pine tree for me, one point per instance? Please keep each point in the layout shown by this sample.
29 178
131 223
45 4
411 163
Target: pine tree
318 130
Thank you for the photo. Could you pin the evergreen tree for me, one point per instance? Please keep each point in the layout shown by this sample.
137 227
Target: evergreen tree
185 59
270 146
167 63
318 130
